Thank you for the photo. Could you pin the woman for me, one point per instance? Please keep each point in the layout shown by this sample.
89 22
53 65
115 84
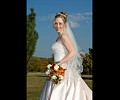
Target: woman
68 55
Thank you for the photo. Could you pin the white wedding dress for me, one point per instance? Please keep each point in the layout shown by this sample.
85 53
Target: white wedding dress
69 88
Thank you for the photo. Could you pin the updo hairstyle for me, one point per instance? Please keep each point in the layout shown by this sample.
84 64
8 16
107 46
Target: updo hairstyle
62 15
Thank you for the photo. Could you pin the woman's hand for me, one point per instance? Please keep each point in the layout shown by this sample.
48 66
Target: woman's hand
58 63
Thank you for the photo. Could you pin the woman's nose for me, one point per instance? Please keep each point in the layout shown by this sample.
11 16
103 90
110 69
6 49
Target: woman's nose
58 25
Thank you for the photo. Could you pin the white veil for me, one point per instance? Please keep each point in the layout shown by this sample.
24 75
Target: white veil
76 62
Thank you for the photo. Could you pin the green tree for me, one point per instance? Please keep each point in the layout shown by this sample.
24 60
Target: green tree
32 34
91 53
37 64
88 62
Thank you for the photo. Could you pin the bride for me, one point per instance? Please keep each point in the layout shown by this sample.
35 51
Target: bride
68 55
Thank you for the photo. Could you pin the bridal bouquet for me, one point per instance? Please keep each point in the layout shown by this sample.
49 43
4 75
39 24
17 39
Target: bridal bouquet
55 73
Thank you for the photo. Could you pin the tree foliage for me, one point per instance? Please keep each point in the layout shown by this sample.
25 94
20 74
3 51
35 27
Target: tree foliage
37 64
32 34
88 62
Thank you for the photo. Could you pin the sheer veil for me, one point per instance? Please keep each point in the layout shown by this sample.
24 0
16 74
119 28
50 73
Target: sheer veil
76 61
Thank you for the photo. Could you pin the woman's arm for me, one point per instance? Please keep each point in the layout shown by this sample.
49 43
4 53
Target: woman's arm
70 48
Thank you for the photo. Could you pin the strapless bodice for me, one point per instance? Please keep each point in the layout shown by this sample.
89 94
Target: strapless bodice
58 51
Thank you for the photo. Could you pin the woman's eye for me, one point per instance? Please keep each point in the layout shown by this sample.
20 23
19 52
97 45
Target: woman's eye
55 23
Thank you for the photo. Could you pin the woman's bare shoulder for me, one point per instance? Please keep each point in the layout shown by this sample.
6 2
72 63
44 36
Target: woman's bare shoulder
65 37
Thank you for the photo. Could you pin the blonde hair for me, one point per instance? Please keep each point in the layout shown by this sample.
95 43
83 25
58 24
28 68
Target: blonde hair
62 15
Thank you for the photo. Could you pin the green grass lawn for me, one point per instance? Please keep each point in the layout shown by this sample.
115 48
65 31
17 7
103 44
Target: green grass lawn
36 80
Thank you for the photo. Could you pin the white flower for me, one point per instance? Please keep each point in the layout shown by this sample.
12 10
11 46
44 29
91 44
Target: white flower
56 67
48 72
60 77
54 77
48 66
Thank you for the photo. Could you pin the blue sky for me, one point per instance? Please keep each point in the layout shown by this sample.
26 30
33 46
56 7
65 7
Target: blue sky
80 18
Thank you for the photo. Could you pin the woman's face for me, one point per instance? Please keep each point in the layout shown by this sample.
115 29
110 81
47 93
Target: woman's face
59 25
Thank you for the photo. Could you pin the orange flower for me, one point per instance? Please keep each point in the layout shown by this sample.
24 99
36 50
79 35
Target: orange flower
62 74
61 70
55 73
